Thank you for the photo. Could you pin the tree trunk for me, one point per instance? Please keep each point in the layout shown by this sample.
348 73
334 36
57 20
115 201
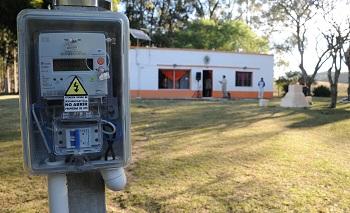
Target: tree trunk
347 62
348 65
349 82
334 95
15 71
2 82
8 79
308 85
12 78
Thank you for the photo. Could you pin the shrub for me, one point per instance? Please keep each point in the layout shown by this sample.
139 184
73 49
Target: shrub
322 91
285 89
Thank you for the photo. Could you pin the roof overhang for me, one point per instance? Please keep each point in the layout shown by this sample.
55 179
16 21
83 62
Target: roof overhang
139 34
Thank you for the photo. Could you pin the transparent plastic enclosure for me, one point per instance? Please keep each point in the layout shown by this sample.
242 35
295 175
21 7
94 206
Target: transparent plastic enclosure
74 95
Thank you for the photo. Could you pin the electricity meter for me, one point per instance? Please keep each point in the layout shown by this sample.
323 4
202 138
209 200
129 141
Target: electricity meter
74 94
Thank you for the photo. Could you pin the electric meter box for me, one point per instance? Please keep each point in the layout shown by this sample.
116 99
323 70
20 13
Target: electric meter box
74 90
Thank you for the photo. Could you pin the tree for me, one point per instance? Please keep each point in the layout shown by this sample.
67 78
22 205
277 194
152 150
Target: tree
298 14
160 18
347 62
291 77
336 38
281 83
294 77
157 15
252 12
221 35
8 43
207 8
321 60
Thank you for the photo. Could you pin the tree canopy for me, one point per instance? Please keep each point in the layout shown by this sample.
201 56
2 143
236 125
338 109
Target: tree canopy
202 24
221 35
9 11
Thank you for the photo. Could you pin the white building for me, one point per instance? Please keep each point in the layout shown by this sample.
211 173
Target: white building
183 73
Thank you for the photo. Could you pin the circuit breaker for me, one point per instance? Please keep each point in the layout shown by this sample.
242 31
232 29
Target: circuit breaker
74 94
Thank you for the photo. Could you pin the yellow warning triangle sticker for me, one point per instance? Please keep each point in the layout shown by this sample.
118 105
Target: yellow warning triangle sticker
76 88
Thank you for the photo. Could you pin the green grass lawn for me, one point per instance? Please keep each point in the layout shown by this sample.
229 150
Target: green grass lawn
210 156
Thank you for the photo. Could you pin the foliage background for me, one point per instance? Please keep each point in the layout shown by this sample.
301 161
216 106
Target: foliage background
182 24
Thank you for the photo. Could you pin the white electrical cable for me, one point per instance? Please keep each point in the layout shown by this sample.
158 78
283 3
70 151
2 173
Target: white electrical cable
108 59
86 64
110 124
40 130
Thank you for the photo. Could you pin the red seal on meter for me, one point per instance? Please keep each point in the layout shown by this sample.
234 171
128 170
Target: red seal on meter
100 60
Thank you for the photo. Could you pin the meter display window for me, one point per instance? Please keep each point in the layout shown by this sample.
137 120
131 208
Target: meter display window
60 65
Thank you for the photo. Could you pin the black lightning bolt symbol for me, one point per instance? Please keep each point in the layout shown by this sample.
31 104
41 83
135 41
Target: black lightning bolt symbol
76 85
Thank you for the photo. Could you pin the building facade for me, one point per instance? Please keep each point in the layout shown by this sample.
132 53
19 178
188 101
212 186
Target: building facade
161 73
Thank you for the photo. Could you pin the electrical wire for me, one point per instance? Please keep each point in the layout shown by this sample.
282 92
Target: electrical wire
87 66
40 129
108 61
110 124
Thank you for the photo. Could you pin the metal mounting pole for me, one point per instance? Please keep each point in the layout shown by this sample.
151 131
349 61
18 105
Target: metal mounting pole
77 193
58 193
86 193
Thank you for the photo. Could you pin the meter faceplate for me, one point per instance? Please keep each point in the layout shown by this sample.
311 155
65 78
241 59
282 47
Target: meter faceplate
62 56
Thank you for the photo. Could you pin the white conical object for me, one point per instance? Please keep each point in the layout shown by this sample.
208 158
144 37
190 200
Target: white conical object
295 97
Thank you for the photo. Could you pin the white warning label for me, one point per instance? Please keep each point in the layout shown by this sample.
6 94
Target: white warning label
76 103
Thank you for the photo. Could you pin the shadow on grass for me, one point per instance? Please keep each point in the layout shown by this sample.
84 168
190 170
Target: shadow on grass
198 115
220 116
321 117
9 136
165 122
231 200
167 171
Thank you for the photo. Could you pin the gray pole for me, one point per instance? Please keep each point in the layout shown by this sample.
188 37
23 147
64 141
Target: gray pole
86 193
